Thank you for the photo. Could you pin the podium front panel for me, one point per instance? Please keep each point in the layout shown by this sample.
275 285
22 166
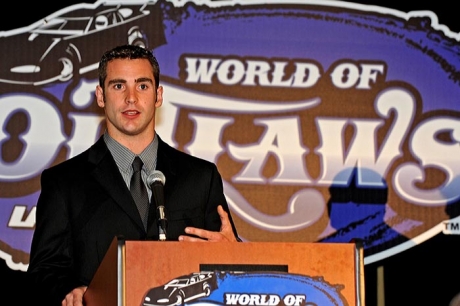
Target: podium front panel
150 264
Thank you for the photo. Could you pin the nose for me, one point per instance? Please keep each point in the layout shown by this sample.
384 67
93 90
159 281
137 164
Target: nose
130 96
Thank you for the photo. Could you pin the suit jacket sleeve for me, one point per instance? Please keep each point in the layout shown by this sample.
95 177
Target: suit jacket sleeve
50 266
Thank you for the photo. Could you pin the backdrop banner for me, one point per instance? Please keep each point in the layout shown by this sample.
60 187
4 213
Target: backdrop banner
329 121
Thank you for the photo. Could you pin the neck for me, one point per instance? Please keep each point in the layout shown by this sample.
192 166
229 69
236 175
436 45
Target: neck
135 143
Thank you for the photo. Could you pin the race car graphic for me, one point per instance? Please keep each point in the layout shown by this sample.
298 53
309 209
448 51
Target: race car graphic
182 289
58 45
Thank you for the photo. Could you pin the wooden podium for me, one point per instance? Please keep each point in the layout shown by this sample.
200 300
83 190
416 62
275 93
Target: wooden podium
131 268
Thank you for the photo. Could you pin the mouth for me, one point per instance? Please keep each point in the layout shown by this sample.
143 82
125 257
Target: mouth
131 112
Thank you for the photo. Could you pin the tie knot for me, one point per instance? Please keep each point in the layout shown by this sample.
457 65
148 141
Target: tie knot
137 164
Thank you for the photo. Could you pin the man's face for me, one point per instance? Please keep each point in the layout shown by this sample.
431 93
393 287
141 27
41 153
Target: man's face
130 98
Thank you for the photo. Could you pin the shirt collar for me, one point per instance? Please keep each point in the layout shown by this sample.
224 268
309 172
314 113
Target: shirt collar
124 157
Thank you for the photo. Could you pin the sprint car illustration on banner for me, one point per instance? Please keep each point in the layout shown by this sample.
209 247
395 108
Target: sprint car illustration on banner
61 42
182 289
246 288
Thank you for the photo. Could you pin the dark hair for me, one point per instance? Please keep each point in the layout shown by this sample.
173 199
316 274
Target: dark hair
128 52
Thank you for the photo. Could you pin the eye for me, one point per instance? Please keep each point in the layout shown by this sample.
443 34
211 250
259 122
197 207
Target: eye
143 86
118 86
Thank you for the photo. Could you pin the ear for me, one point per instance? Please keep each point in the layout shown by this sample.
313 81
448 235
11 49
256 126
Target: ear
100 96
159 100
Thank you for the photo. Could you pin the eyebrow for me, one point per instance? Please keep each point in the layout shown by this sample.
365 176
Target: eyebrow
114 81
145 79
139 80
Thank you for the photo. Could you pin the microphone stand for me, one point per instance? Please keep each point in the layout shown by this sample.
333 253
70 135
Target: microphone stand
162 223
156 180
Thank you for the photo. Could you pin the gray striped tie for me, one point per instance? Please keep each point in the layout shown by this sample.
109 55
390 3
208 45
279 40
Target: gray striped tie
138 190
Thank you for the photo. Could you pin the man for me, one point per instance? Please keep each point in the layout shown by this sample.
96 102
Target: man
86 201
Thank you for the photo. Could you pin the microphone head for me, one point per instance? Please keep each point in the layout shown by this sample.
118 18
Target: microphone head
156 176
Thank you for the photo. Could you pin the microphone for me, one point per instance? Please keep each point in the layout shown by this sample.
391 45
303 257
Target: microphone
156 181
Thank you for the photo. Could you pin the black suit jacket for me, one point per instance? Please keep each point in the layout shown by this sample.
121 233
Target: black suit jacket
84 203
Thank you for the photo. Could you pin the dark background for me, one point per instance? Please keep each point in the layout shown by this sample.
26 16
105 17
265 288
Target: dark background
425 275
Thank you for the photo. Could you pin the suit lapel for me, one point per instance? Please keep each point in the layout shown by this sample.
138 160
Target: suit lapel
167 165
106 173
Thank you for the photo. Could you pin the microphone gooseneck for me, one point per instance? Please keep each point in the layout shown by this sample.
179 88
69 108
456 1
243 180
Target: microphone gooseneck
156 181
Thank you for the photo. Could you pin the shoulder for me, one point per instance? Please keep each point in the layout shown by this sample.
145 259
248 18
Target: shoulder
177 156
82 162
181 164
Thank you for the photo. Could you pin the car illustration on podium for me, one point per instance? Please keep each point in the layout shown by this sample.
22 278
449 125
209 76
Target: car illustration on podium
182 289
71 41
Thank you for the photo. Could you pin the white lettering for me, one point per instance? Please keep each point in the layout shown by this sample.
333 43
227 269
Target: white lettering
294 300
206 142
252 72
278 75
231 299
42 138
306 75
258 69
252 299
85 126
230 72
362 151
203 72
345 75
430 152
17 217
369 73
281 138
